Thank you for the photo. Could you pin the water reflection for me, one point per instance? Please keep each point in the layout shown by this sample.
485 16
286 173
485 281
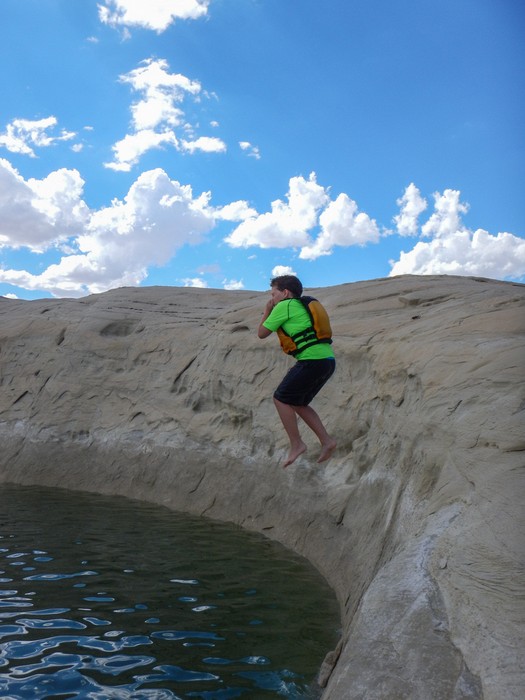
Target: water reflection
111 598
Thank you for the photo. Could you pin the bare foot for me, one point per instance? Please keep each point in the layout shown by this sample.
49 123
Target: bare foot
294 453
326 450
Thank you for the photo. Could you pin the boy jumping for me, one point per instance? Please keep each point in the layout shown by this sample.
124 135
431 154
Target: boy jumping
315 365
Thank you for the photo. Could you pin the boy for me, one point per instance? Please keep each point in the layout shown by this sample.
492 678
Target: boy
315 365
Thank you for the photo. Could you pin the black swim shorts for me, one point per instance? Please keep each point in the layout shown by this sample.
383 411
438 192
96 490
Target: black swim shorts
303 381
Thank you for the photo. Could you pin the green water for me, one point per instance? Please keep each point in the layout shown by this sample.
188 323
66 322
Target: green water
105 597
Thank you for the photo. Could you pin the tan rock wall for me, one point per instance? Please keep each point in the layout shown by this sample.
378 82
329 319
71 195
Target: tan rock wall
165 394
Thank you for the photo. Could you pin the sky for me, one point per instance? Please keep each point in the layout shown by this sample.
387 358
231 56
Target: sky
218 143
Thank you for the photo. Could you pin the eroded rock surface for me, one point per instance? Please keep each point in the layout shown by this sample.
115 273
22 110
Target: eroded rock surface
165 394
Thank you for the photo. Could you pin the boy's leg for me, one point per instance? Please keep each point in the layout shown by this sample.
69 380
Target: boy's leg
288 417
312 420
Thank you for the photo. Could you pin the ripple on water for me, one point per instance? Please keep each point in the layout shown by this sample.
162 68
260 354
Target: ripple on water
111 598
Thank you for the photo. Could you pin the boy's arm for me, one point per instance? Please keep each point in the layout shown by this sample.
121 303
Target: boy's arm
262 331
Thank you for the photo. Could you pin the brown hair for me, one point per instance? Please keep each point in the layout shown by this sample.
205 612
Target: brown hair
290 282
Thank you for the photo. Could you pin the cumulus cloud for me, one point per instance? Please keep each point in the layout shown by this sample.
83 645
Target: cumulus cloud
24 135
232 284
412 205
343 225
38 214
207 144
446 218
157 114
113 246
292 224
288 223
161 92
464 253
455 250
156 15
197 282
117 244
235 211
279 270
129 150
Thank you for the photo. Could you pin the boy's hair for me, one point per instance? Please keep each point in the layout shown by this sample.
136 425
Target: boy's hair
290 282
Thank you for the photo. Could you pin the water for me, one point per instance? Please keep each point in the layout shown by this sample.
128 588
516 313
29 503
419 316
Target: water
104 597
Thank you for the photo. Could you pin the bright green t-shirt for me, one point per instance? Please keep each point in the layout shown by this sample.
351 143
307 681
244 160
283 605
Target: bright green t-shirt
292 317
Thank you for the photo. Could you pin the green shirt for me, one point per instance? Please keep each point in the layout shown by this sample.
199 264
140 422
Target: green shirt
292 317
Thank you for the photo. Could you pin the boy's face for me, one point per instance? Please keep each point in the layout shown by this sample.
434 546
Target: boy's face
278 295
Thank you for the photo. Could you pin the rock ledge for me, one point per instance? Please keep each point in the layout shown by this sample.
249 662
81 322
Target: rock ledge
164 394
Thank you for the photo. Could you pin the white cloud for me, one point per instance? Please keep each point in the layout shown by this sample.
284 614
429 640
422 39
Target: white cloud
235 211
455 250
412 205
157 114
207 144
22 135
153 14
194 282
447 216
279 270
161 91
291 224
117 244
343 225
129 150
40 213
252 151
74 275
288 223
233 284
464 253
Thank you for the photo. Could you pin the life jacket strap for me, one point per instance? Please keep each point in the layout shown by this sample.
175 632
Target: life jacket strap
306 339
306 334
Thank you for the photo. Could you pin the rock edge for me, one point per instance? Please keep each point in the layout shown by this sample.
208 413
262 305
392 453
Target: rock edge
164 394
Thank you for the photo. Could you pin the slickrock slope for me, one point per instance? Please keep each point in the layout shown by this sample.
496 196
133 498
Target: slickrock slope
165 394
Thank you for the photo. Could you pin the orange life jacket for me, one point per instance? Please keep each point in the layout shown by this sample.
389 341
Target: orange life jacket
318 332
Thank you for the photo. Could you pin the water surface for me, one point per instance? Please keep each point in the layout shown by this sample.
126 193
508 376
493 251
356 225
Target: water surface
105 597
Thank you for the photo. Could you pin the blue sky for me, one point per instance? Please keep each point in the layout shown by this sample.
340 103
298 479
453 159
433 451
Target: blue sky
216 143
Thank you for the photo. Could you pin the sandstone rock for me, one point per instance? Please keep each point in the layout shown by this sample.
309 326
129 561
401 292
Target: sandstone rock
165 394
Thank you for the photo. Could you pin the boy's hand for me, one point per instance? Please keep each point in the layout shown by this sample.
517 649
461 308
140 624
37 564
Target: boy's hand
263 332
269 306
